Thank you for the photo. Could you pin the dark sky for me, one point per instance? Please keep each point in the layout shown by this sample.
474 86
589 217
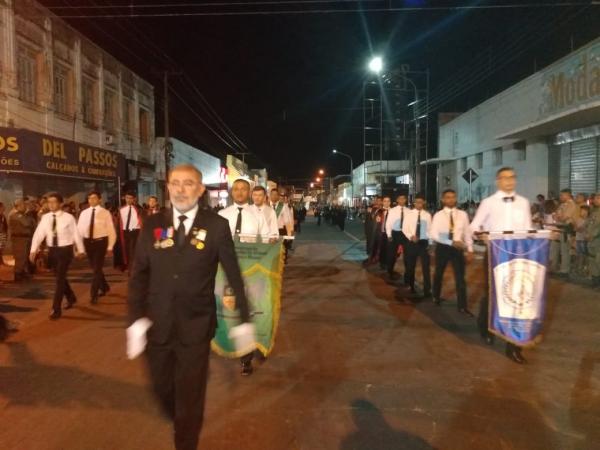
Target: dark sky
289 85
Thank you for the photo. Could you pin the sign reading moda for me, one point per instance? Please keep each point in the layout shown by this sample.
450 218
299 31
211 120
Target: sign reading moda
26 151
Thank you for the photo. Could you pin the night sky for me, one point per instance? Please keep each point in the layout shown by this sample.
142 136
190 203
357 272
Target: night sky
289 85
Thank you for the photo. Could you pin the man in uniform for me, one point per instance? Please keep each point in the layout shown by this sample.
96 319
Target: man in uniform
21 227
593 236
566 216
172 302
450 231
130 220
58 230
370 222
96 226
503 211
245 223
396 237
285 219
416 227
264 211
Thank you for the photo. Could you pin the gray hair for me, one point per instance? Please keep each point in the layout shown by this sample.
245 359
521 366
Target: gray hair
185 168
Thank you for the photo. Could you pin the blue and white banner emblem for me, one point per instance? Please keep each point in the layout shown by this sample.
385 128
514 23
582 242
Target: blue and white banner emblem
518 285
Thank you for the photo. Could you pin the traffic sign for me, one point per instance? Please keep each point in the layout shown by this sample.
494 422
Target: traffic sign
470 175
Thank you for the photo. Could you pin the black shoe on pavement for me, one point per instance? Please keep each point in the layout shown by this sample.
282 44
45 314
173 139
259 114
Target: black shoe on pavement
247 369
94 300
103 292
465 312
514 354
55 315
70 302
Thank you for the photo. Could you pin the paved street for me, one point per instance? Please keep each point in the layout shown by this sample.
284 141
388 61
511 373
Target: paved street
354 367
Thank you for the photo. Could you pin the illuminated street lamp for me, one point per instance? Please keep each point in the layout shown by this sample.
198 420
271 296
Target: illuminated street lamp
321 172
318 180
376 64
335 152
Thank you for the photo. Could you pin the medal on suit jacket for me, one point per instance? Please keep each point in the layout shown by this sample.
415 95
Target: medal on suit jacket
199 235
163 237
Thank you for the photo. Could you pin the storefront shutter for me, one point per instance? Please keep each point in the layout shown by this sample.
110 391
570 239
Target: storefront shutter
584 167
565 165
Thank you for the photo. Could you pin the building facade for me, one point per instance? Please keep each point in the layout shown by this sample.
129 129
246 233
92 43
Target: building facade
547 127
82 119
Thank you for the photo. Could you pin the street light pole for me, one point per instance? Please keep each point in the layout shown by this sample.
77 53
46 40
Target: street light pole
336 152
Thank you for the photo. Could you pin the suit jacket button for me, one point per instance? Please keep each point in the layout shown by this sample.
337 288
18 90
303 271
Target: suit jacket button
175 276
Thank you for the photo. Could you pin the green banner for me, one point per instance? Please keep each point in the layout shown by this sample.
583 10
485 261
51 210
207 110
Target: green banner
262 268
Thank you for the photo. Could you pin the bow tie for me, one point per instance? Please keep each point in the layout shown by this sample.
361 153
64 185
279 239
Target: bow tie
508 199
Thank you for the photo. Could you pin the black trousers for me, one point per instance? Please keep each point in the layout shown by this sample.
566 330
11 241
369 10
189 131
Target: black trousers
445 254
287 243
131 238
179 374
96 252
61 258
414 251
398 239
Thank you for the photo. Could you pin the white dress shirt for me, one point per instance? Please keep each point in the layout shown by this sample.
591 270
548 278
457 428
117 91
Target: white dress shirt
496 214
103 225
440 227
266 213
66 231
394 218
252 224
190 216
135 222
285 216
410 224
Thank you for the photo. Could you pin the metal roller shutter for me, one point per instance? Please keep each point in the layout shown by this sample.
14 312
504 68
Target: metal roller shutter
584 167
565 165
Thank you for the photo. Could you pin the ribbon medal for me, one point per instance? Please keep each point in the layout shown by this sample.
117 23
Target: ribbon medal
157 237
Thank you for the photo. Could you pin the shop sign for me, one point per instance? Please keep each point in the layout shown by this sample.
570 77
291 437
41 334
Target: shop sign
30 152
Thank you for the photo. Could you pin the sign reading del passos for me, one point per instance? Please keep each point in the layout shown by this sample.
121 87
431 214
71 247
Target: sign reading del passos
30 152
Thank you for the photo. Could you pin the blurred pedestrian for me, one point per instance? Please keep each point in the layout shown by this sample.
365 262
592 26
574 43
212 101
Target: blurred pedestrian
565 216
130 224
593 238
3 233
416 228
396 237
21 228
581 242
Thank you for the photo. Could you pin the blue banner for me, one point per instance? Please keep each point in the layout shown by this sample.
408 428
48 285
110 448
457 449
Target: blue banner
518 270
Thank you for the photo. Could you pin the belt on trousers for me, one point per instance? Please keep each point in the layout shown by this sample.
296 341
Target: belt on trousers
60 247
105 238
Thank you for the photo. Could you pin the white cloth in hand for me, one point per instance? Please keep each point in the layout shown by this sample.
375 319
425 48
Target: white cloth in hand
136 337
244 338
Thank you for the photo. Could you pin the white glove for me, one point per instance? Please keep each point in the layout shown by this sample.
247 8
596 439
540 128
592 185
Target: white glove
244 338
136 337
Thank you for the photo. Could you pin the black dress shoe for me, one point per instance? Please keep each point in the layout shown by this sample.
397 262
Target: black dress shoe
70 303
94 300
55 315
515 355
247 369
103 292
465 312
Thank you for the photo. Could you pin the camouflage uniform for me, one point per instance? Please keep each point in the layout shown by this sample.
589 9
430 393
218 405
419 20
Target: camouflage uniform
593 234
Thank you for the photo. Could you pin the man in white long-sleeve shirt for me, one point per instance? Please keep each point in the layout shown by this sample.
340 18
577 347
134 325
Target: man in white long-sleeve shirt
450 231
243 220
59 230
265 212
96 226
417 228
502 211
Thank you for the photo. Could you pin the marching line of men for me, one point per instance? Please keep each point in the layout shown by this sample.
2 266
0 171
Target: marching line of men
387 229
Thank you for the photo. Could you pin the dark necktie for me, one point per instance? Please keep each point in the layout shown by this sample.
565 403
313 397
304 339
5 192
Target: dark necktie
401 217
54 232
508 199
384 221
91 234
128 220
181 231
451 231
419 226
238 222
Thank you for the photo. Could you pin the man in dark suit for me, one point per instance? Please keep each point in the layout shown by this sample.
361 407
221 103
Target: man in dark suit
171 295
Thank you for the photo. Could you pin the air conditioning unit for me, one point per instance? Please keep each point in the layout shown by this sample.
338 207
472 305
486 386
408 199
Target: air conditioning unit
109 139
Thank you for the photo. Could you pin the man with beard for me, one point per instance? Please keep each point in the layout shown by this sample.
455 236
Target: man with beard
172 302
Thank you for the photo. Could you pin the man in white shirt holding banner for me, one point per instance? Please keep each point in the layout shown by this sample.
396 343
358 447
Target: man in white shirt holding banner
502 212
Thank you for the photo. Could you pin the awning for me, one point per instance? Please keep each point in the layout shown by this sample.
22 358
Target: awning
580 117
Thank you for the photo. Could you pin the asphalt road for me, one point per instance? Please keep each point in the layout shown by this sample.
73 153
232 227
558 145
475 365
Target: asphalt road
354 367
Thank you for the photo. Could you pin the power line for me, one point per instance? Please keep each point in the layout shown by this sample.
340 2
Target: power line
213 4
515 6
